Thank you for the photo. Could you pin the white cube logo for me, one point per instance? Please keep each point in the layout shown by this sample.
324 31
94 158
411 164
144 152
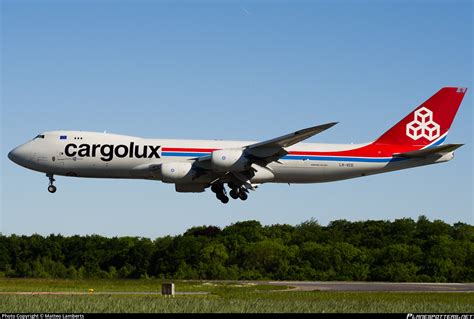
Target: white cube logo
432 131
423 115
414 130
423 125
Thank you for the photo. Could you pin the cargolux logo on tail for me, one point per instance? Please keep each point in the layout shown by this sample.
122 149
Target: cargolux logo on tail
423 126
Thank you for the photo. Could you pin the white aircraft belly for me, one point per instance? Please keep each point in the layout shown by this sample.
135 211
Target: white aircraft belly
314 171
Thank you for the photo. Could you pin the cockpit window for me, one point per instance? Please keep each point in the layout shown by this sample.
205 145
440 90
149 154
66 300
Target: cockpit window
39 136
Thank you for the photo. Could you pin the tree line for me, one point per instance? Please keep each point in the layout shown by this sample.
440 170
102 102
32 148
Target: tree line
374 250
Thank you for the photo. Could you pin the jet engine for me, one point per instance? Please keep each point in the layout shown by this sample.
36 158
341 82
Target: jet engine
177 172
228 160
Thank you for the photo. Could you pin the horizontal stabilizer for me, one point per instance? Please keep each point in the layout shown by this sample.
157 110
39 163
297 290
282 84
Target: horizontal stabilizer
441 149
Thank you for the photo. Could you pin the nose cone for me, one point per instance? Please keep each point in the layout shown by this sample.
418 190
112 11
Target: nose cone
13 155
19 155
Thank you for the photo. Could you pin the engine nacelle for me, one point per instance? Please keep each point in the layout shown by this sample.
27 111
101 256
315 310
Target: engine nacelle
228 160
177 172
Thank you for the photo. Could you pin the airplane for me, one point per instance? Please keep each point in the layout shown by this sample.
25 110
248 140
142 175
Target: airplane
195 165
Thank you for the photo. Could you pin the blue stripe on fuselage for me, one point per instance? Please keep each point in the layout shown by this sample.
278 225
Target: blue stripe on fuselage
304 157
441 140
342 159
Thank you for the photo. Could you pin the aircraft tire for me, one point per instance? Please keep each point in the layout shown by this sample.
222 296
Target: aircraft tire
215 188
52 189
234 194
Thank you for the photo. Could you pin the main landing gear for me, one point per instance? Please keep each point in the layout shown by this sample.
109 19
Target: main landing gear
220 192
235 192
238 193
51 187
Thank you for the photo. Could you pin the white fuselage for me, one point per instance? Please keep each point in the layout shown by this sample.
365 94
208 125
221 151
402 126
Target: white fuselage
195 165
103 155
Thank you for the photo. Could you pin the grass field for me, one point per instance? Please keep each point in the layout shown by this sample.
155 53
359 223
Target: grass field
222 297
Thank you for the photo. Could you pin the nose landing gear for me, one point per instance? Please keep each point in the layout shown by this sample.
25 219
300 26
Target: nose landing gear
51 187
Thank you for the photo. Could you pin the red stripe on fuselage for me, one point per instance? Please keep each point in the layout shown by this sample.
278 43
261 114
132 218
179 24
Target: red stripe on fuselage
185 149
371 150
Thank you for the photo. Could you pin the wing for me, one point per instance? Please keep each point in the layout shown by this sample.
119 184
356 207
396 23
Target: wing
245 169
267 151
275 146
292 138
271 150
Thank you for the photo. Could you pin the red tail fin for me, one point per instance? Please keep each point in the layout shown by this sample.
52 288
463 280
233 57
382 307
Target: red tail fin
428 123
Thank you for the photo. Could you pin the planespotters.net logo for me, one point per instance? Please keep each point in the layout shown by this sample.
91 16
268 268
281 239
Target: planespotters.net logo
423 125
440 316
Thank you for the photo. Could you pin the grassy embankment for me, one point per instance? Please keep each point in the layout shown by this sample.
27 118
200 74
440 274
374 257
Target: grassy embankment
222 297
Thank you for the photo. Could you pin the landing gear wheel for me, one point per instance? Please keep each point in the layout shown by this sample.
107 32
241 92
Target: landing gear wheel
234 194
215 188
51 187
219 189
243 195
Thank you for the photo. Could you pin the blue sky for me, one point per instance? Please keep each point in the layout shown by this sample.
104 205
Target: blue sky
244 70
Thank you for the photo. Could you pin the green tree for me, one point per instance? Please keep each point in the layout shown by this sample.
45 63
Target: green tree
402 250
213 260
269 257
